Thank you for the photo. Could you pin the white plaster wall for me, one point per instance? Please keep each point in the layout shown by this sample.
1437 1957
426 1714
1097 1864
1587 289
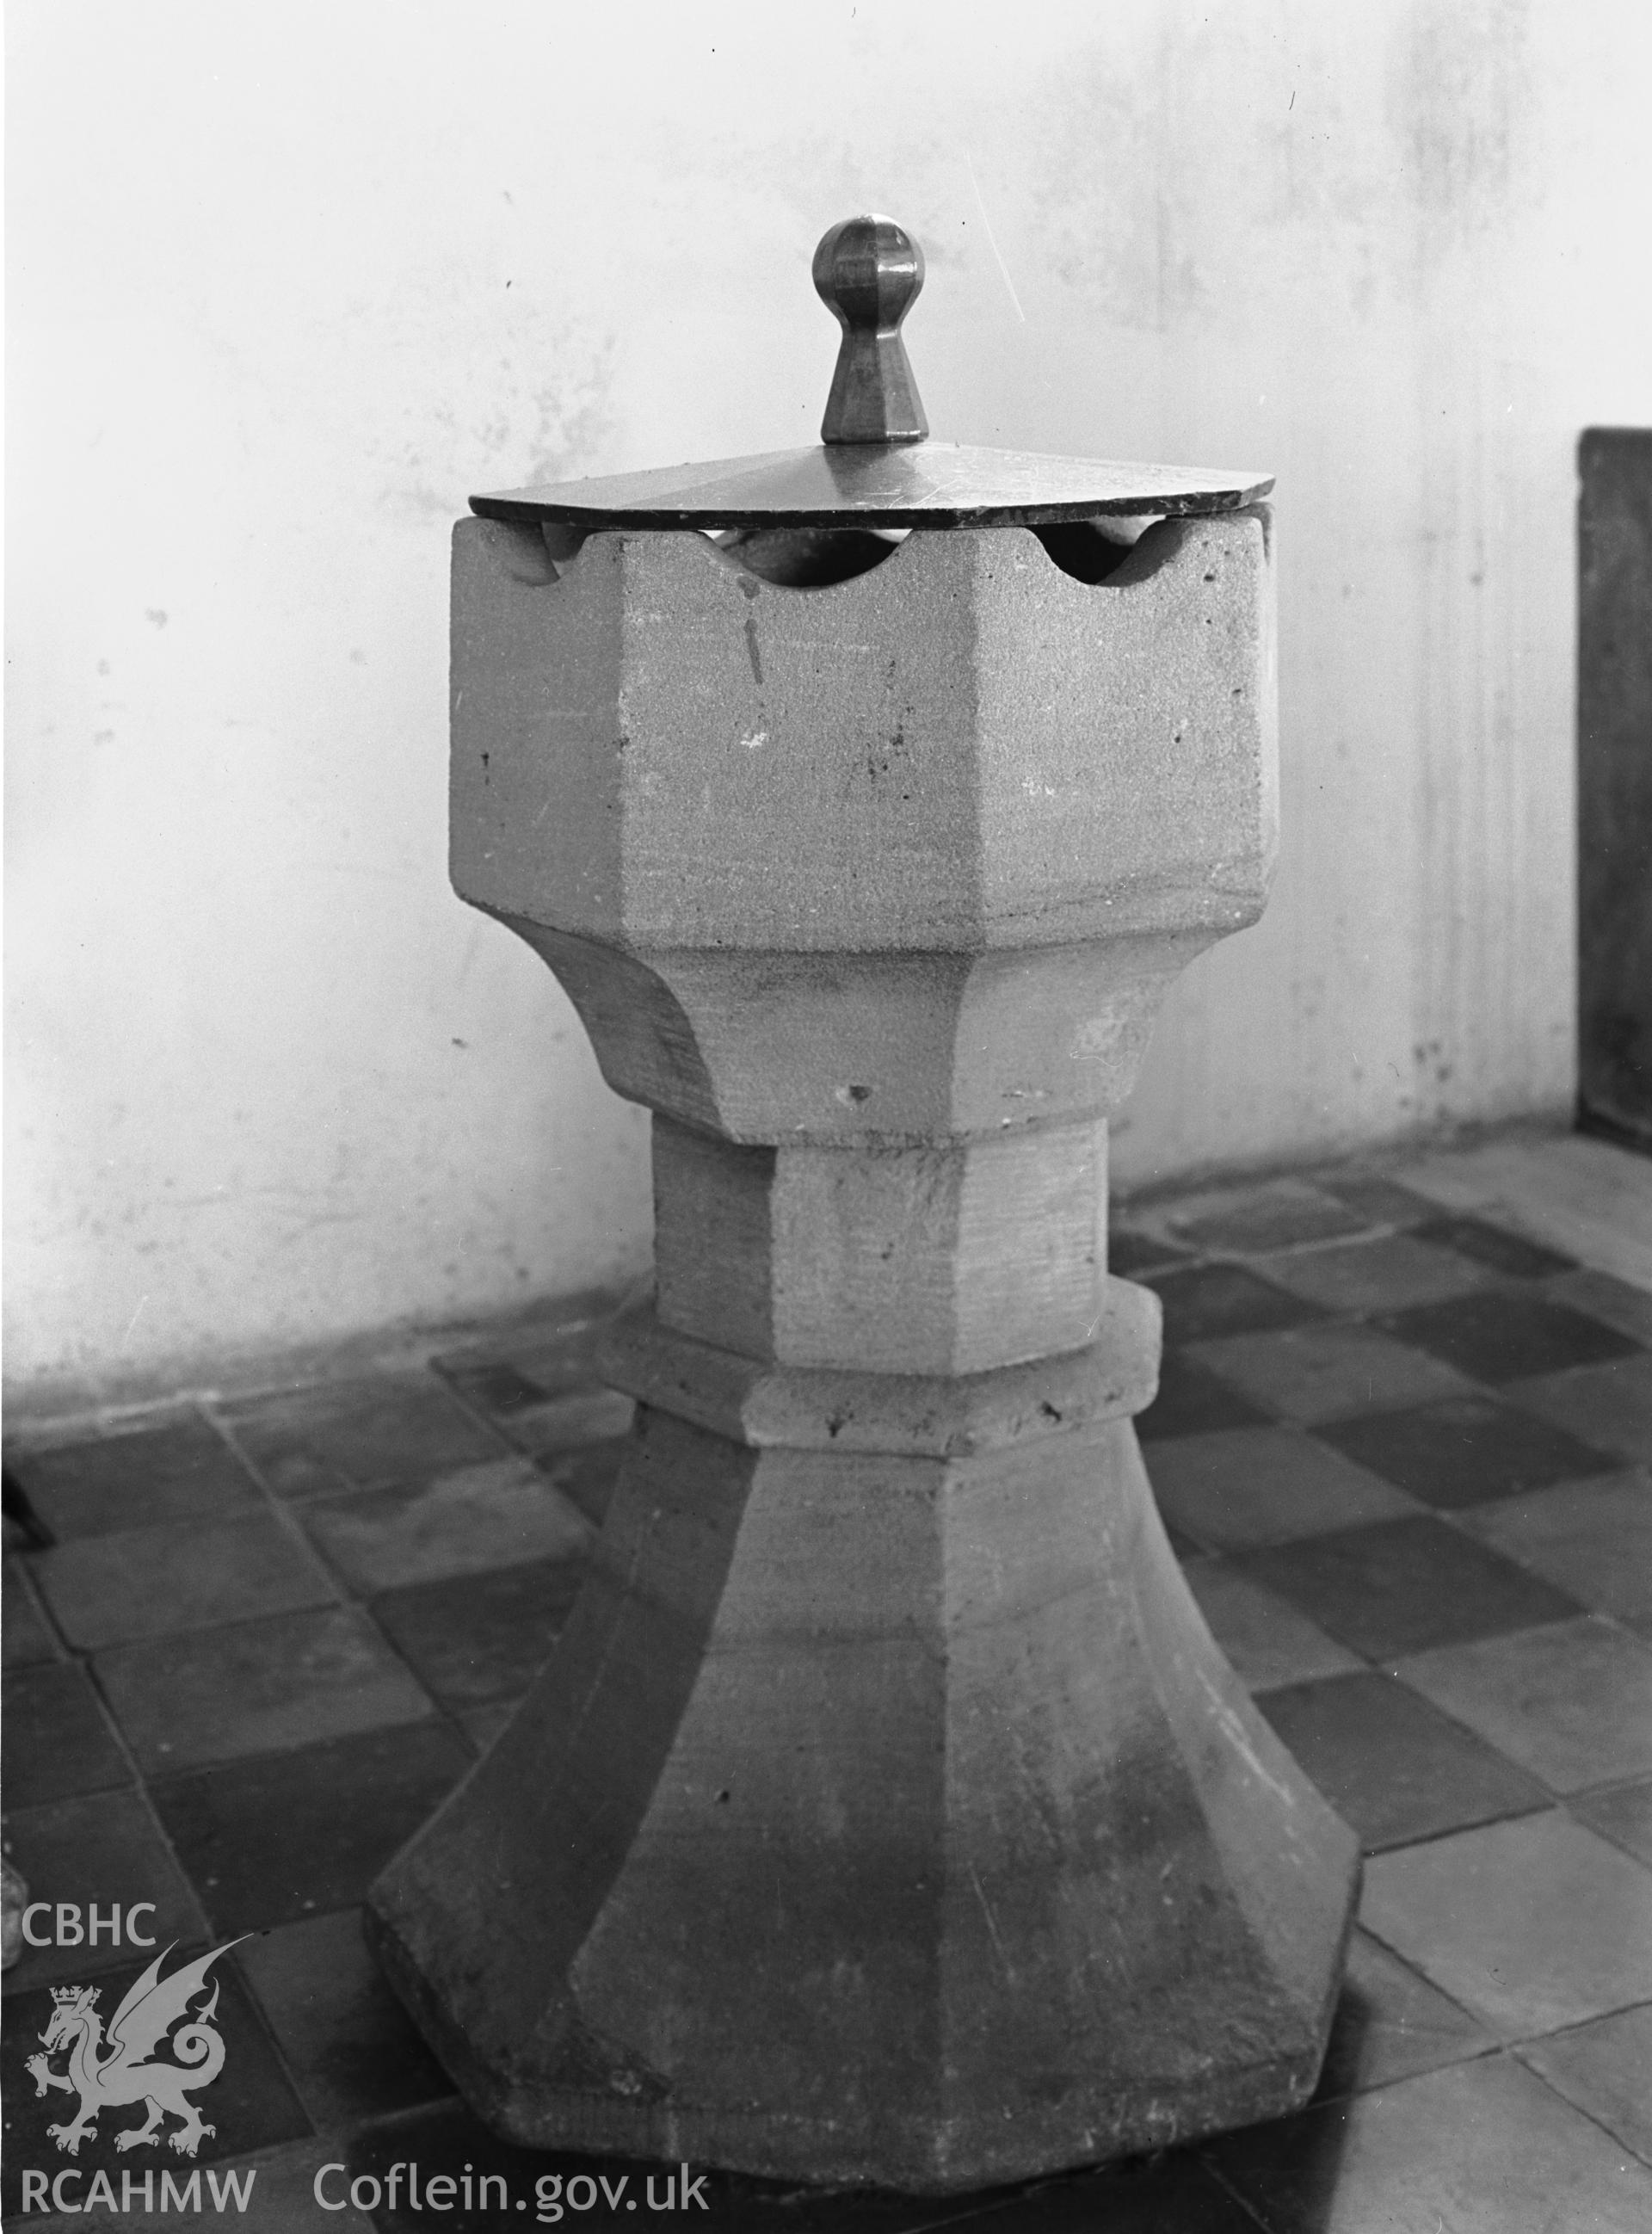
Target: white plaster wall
288 282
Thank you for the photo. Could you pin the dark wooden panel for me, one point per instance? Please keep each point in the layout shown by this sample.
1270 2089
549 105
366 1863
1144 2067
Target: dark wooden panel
1615 781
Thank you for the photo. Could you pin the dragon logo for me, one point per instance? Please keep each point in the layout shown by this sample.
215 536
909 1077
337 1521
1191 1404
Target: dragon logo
104 2082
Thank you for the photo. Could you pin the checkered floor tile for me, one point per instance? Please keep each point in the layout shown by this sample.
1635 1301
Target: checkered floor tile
1401 1446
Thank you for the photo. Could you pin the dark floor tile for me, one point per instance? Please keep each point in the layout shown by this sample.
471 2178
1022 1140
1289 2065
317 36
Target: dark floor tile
1172 2193
22 1528
1464 1452
496 1389
1497 1335
1624 1815
1592 1539
27 1637
1253 1221
1570 1702
1192 1401
485 1726
1390 2024
291 1679
1377 1272
249 2106
1628 1309
58 1742
1211 1299
1401 1587
353 1435
286 2196
183 1574
1478 2148
1379 1201
347 2040
1495 1247
1604 2069
1131 1253
183 1470
1329 1371
1246 1486
587 1477
105 1849
1608 1405
297 1834
1393 1767
1532 1924
1265 1642
477 1638
463 1523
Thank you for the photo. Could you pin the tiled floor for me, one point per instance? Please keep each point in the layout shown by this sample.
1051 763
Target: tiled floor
1402 1446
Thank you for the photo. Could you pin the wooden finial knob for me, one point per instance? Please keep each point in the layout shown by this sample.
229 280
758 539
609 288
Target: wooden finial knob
868 272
